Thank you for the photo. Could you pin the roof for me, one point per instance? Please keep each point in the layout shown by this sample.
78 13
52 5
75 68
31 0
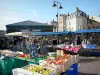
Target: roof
28 22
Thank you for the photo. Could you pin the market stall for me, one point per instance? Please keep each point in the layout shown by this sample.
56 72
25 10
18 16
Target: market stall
91 41
19 34
52 63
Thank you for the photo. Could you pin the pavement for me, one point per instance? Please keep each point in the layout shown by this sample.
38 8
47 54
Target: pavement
89 66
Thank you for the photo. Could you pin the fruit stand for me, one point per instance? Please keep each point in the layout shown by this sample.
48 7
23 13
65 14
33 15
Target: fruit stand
91 48
53 63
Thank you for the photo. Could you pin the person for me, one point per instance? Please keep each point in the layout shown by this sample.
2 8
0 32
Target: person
54 41
24 45
27 44
11 45
33 49
78 40
88 41
15 45
84 43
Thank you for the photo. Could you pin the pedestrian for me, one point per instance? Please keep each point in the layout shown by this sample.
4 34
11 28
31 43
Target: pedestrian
33 49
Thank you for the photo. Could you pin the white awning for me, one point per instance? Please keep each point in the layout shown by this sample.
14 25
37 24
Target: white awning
18 34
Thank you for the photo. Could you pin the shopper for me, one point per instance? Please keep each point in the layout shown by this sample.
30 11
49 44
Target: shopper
78 40
84 43
33 49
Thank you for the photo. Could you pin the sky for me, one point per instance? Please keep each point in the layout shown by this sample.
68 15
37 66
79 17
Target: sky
12 11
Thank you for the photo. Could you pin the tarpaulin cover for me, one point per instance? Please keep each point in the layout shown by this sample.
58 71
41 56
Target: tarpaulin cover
49 33
88 31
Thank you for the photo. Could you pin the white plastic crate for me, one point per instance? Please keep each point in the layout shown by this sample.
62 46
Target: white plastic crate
22 71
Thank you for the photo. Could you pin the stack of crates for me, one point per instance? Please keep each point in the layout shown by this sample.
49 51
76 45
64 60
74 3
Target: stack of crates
9 63
6 66
36 60
18 63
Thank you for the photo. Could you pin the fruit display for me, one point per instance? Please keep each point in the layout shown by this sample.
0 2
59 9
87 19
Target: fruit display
59 60
38 69
40 55
23 56
60 63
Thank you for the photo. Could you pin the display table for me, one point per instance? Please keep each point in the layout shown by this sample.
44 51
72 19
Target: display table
91 49
65 63
73 49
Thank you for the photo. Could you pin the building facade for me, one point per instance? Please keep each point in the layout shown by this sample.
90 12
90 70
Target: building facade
73 22
29 26
96 18
2 33
94 22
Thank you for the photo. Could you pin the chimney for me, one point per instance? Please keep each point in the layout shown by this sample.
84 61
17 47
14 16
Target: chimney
68 14
77 9
92 17
53 20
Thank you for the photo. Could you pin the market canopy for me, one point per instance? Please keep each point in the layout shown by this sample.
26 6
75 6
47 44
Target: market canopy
18 34
48 33
88 31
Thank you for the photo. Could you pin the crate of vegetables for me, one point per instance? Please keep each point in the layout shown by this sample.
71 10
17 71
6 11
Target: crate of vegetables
34 70
51 64
60 63
64 61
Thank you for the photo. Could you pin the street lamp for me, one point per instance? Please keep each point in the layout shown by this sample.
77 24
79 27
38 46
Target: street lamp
60 7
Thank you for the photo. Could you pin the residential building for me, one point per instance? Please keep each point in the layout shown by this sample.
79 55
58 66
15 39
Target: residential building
94 22
72 22
62 22
96 18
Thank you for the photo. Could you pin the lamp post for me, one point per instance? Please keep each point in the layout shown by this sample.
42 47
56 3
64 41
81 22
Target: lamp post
60 7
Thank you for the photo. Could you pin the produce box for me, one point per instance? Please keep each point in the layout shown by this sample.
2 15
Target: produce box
6 66
63 61
60 52
74 58
98 47
18 63
33 70
66 65
57 68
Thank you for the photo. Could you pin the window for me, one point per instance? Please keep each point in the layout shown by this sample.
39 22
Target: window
68 17
72 15
69 22
78 14
79 27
